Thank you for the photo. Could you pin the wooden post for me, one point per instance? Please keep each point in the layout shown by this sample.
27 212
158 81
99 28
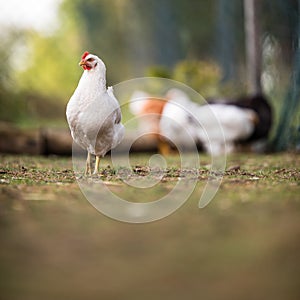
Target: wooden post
253 46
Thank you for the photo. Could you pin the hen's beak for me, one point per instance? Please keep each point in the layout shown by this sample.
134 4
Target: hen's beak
82 63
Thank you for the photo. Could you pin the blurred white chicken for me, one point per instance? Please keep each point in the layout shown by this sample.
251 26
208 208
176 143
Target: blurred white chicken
178 125
93 112
216 126
222 125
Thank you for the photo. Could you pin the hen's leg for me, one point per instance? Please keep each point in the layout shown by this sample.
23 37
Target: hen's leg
96 171
164 148
88 169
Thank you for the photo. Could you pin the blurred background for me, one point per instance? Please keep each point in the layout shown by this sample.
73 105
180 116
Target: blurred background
55 245
205 44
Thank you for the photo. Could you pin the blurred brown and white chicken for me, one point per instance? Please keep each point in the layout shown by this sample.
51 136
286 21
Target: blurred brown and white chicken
93 112
148 110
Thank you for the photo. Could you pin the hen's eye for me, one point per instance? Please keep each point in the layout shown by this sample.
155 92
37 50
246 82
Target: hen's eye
90 59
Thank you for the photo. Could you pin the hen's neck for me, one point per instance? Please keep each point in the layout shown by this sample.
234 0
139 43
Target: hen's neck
93 81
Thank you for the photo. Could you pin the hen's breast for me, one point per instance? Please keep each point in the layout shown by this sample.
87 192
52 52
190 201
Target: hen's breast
94 125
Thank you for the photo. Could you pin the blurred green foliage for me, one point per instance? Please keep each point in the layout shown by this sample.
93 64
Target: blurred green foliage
158 71
12 106
51 73
202 76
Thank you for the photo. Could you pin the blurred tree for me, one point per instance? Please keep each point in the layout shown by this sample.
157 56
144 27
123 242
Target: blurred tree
153 38
12 106
227 39
229 47
48 71
279 20
129 35
51 69
196 21
285 130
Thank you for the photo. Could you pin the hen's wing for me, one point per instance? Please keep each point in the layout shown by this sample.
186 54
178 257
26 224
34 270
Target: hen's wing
117 111
118 116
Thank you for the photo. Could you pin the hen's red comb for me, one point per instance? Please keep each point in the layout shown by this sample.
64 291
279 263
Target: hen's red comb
85 54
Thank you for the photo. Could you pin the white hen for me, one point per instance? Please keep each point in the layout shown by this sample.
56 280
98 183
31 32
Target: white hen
216 126
222 125
93 112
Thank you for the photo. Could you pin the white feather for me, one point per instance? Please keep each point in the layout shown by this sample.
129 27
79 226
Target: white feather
93 113
216 126
175 123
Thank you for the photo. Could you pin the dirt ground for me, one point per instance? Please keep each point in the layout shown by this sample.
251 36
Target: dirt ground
243 245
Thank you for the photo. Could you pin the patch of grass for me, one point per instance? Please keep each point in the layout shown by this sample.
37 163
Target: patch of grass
240 168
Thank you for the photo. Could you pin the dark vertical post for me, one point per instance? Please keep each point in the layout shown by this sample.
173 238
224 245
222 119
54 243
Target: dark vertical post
253 46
